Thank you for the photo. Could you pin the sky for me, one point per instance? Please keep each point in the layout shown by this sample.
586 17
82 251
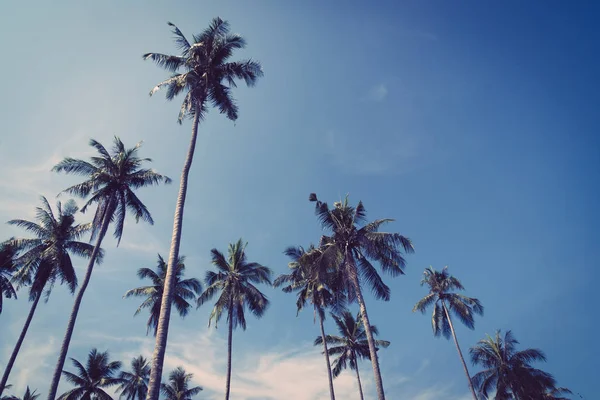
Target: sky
472 124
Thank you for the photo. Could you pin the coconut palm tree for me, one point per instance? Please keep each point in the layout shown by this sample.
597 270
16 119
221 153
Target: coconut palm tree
356 242
557 394
313 283
509 371
111 178
185 289
351 345
234 280
134 384
90 380
206 75
178 386
29 395
46 258
7 268
441 286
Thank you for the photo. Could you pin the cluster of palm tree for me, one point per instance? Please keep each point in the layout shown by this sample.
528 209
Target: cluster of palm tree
330 276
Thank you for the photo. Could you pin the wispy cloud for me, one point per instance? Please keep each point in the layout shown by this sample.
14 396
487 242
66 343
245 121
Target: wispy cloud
378 92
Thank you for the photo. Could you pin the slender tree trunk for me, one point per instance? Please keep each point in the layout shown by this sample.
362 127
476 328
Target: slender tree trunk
162 331
358 378
462 360
15 352
367 325
64 349
329 375
229 345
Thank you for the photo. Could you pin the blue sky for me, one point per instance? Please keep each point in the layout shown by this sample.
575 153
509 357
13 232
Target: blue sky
474 125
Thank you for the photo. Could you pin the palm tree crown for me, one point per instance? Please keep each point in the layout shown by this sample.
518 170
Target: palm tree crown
90 380
207 74
235 279
352 344
178 386
134 384
7 268
509 371
46 257
29 395
112 178
185 289
441 284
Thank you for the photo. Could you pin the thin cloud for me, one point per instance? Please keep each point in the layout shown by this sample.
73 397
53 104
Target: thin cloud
378 93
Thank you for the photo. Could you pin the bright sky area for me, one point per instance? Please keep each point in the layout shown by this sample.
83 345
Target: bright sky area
473 124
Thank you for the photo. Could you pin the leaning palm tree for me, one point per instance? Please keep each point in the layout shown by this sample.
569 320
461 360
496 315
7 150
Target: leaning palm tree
7 269
204 73
185 289
134 384
234 280
441 286
178 386
508 371
313 283
46 258
355 245
111 180
91 380
351 345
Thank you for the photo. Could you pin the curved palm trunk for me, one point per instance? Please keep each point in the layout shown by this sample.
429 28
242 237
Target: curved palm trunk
367 325
229 345
329 375
78 297
162 331
15 352
462 360
358 378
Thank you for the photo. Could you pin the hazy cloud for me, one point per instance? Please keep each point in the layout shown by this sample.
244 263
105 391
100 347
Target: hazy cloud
378 92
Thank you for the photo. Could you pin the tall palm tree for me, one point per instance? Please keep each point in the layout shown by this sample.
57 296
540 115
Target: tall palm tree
234 280
134 384
178 386
185 289
355 245
441 286
7 269
206 76
509 371
29 395
313 282
90 380
46 258
351 345
111 178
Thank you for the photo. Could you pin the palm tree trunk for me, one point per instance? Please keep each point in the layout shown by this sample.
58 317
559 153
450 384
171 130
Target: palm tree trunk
162 331
229 345
329 375
78 297
13 356
367 325
462 360
358 378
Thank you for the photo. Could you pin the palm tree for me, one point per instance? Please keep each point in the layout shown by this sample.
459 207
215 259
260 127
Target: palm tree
351 345
7 268
185 289
111 181
134 384
355 245
178 386
207 77
29 395
509 371
441 284
557 394
313 282
90 380
234 280
46 258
